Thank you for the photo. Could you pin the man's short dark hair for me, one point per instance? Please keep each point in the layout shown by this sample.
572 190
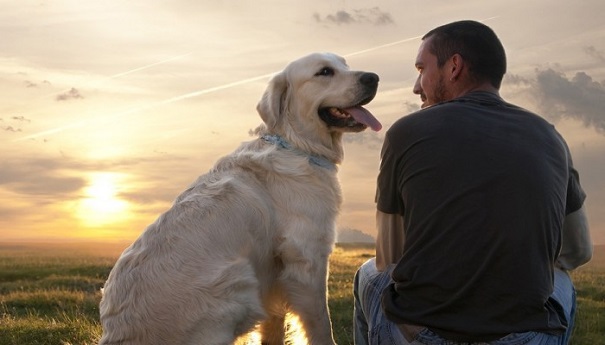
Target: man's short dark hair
476 43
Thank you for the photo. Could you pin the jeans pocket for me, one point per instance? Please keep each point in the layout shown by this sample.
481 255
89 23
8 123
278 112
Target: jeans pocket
386 333
429 337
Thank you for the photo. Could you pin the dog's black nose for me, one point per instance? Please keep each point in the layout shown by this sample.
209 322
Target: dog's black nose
369 79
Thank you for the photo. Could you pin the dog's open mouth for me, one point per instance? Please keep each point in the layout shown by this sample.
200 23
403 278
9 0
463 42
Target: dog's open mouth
356 118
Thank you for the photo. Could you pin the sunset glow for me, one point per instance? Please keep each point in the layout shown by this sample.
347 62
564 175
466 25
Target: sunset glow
111 108
101 205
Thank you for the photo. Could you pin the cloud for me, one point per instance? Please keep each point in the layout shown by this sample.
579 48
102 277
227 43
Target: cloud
593 52
21 118
47 183
73 93
31 84
558 96
579 98
411 107
368 139
516 79
62 176
362 16
10 129
40 176
43 183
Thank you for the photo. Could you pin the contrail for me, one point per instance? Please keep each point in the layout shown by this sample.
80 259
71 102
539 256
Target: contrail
121 74
382 46
150 106
188 95
200 92
212 89
399 42
117 75
148 66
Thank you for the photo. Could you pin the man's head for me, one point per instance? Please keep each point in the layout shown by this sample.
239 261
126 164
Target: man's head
456 58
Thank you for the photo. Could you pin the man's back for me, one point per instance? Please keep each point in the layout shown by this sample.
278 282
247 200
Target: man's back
482 187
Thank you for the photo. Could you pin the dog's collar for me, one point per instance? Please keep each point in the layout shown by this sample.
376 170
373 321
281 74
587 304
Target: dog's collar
313 159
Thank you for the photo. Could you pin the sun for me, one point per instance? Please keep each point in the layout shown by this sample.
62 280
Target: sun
101 204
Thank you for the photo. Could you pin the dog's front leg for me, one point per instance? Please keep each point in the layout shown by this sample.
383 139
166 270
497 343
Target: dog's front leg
273 330
305 283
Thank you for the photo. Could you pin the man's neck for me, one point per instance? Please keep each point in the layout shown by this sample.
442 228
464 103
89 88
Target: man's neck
466 89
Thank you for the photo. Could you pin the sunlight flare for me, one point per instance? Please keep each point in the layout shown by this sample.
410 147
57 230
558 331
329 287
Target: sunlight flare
101 204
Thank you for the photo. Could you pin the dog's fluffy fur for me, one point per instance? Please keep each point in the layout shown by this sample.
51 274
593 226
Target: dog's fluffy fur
249 240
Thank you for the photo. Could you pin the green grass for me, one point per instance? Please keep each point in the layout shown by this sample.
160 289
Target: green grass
50 296
589 281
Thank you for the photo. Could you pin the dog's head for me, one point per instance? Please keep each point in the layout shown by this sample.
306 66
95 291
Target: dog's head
316 99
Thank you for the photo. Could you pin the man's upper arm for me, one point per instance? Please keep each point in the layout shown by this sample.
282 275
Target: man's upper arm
576 245
390 239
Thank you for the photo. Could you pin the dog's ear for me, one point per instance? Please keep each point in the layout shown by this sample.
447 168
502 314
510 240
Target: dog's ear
273 103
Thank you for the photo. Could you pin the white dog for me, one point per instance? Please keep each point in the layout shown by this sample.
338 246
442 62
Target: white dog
249 240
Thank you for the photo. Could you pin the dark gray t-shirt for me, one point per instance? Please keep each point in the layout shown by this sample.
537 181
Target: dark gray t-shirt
483 187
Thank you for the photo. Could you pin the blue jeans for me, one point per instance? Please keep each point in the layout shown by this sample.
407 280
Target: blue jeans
372 326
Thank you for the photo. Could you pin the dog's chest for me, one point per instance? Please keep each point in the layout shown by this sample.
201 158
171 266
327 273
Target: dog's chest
308 191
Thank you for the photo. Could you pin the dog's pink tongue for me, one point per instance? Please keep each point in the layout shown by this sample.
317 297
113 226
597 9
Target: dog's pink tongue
362 115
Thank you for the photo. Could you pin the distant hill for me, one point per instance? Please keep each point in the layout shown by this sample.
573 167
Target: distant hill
348 235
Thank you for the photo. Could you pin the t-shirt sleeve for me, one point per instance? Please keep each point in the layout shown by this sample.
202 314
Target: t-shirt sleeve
575 193
576 248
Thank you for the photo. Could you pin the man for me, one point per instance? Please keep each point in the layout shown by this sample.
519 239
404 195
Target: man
479 211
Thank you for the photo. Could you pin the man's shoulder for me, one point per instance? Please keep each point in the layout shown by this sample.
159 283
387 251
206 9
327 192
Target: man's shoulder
430 115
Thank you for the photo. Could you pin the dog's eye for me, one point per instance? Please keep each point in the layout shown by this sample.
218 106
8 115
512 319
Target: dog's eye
326 71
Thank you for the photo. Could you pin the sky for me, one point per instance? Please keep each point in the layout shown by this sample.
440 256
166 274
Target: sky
109 109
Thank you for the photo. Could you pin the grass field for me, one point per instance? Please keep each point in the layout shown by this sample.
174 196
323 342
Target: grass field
49 294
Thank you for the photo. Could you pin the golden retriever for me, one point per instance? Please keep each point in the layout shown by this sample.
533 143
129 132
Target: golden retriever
250 240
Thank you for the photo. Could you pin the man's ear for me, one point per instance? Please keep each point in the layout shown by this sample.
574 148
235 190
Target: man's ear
274 101
456 66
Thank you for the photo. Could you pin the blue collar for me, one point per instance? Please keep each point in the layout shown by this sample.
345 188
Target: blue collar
313 159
